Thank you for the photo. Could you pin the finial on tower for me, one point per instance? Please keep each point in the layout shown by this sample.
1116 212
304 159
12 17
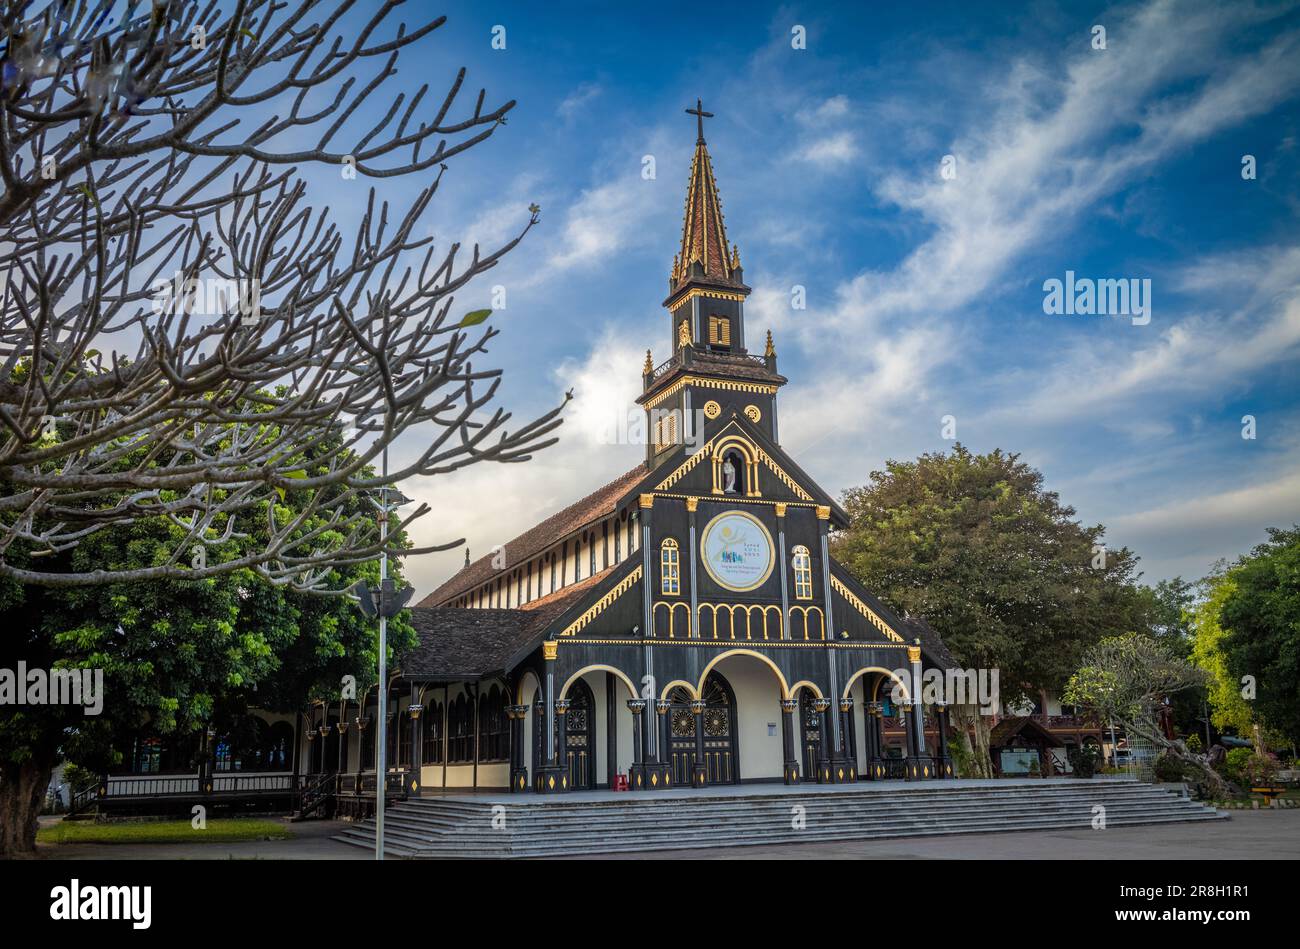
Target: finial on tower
467 556
770 351
700 116
649 364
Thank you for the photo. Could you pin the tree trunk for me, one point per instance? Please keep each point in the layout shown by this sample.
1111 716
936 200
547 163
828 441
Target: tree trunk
1153 733
22 789
970 722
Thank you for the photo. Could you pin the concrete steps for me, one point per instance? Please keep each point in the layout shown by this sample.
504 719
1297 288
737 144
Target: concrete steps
533 826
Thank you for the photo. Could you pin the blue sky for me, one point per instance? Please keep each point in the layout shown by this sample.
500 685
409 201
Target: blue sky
924 294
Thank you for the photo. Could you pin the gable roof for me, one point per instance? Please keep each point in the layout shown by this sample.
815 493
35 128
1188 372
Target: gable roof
1020 726
600 503
681 456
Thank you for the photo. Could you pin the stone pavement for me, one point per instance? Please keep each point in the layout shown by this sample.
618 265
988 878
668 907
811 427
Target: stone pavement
1249 835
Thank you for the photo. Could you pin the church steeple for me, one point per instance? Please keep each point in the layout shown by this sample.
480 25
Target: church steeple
705 255
710 376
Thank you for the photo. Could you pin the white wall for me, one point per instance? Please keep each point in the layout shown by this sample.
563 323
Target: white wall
758 703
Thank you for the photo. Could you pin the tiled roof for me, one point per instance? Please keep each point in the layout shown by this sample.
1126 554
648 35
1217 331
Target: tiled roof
460 643
593 507
704 234
1019 727
931 642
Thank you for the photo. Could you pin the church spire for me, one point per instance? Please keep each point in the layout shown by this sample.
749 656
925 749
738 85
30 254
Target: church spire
705 255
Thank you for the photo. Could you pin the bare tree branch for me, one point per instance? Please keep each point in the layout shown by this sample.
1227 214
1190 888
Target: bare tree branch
183 336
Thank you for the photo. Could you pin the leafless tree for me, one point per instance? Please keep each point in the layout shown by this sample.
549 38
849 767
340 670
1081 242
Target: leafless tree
181 329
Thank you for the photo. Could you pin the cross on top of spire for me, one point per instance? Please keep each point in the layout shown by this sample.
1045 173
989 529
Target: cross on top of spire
700 116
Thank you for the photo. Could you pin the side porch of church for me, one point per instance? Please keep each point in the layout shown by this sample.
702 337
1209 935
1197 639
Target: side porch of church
647 714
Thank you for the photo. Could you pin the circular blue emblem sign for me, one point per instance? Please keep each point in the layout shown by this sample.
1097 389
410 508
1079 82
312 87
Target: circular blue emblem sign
737 551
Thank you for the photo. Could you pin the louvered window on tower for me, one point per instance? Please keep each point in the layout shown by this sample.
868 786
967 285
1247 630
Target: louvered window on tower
666 431
719 331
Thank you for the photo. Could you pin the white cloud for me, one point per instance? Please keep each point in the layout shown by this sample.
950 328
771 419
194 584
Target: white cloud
836 149
576 100
1028 171
489 504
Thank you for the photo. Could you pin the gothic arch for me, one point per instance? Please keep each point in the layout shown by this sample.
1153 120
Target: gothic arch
806 684
785 691
749 456
520 690
631 689
690 689
885 672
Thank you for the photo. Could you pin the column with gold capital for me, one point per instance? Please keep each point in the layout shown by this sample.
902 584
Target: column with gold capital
791 766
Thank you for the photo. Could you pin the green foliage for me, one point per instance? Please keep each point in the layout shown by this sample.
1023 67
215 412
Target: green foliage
962 764
1260 770
996 564
1084 760
217 831
1194 744
178 655
1128 678
1168 768
1234 764
1260 618
1228 710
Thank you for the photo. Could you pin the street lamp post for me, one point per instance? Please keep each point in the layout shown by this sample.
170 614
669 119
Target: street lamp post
385 602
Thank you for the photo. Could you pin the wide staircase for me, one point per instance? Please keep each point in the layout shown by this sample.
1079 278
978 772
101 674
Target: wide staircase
562 825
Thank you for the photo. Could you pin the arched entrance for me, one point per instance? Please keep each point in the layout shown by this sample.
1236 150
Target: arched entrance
720 739
580 738
810 734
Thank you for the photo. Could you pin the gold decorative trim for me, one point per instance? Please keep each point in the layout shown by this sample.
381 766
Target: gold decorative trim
753 413
692 504
732 609
712 409
671 606
780 508
603 603
807 611
913 654
550 649
759 388
708 450
785 479
823 512
702 292
865 610
647 501
732 499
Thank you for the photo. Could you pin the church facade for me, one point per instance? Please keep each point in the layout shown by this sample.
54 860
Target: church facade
684 624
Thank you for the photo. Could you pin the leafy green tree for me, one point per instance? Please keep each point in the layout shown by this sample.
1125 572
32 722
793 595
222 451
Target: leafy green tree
1260 617
177 656
1127 679
1171 605
1228 709
996 564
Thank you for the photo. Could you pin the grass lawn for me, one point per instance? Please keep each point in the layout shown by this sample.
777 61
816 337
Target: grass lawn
163 832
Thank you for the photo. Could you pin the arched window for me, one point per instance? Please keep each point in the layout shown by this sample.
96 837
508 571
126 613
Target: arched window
801 561
670 568
460 730
431 752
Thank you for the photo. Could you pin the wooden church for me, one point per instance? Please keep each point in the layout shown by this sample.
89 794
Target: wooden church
684 624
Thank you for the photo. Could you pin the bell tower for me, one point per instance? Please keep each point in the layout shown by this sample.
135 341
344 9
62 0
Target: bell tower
710 375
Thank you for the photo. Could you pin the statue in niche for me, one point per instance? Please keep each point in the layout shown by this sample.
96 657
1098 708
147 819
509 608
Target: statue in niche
729 476
684 334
